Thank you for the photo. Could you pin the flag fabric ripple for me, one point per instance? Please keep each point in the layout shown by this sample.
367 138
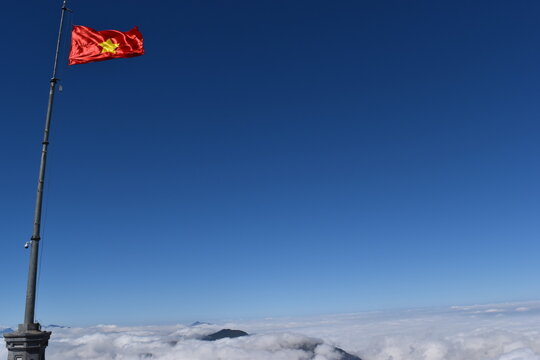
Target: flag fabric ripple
89 45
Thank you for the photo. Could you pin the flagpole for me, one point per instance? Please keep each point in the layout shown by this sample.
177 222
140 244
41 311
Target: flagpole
29 323
29 342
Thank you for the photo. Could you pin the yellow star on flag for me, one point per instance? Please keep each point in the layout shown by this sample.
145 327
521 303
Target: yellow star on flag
108 46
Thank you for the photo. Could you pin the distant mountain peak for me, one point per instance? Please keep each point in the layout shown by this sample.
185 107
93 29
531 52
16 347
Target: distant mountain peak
197 323
309 347
56 326
225 333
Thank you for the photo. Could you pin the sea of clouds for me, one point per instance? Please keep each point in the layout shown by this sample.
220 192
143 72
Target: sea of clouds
480 332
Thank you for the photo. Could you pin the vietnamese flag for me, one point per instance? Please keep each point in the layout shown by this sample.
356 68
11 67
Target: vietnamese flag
88 45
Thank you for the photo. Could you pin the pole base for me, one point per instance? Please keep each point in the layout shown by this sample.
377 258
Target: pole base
27 343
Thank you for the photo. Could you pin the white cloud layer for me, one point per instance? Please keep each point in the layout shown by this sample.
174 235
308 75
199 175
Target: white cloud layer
483 332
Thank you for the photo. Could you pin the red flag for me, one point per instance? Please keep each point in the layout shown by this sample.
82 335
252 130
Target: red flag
89 45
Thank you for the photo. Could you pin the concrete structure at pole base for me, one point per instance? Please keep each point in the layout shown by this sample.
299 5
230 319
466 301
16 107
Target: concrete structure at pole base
27 343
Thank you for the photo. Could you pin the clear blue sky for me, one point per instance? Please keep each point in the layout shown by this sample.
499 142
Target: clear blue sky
269 157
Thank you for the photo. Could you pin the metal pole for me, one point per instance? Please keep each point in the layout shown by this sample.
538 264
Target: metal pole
32 271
